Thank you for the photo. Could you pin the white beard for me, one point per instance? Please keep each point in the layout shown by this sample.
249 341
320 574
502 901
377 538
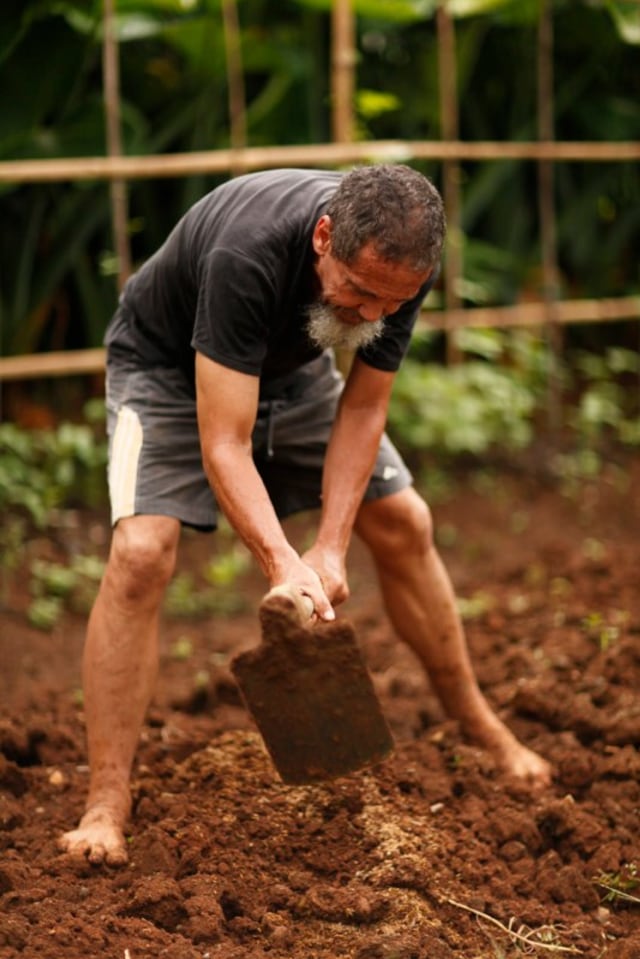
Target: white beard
327 331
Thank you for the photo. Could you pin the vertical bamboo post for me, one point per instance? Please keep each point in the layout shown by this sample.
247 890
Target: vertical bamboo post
449 126
546 209
235 76
118 187
343 62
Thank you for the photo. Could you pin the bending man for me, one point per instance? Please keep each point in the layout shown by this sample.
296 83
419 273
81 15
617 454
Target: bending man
222 395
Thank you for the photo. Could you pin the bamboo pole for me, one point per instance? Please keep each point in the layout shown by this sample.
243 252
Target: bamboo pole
343 62
449 126
546 209
535 313
235 78
77 362
311 155
118 186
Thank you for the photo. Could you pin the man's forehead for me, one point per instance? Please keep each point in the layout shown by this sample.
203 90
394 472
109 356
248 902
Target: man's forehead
371 275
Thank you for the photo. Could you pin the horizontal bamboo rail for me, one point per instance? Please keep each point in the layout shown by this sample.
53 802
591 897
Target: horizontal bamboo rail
32 366
78 362
314 155
534 313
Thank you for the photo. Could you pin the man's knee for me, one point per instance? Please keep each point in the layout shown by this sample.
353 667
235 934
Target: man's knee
143 556
396 526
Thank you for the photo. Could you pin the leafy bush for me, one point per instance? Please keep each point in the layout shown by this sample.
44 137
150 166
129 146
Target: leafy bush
495 398
488 401
465 409
42 472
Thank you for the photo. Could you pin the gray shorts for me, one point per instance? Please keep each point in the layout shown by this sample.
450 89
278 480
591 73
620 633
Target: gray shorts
155 464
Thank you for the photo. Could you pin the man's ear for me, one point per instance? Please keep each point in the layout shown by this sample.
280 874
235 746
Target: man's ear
322 236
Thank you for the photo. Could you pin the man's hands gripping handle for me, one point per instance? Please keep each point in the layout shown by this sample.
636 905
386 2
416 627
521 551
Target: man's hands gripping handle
303 604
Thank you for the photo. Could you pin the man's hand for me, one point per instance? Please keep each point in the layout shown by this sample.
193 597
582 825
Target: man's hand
331 571
298 574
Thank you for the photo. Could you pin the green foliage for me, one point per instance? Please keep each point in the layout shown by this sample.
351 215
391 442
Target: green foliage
223 570
57 285
401 11
182 649
56 587
486 402
626 17
41 473
495 398
76 581
467 408
607 406
187 598
596 628
45 469
619 886
474 607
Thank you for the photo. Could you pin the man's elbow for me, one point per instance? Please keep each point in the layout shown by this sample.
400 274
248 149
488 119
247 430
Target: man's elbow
222 456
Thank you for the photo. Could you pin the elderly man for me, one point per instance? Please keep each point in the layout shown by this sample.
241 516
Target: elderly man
222 395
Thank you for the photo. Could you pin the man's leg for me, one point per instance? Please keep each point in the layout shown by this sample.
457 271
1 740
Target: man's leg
421 605
119 671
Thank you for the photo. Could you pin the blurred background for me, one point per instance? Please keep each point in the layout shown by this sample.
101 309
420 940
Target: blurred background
117 116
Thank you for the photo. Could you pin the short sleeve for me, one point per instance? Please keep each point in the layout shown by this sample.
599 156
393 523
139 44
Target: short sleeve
235 300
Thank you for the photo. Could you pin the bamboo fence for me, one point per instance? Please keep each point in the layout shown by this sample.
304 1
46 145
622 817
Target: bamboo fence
550 314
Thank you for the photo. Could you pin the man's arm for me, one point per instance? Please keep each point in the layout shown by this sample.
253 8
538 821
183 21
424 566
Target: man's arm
227 402
350 458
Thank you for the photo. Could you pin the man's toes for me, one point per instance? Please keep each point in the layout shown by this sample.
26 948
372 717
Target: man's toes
96 850
116 857
544 774
71 844
96 854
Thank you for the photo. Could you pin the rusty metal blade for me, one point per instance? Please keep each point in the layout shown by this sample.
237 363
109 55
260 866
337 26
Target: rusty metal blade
311 697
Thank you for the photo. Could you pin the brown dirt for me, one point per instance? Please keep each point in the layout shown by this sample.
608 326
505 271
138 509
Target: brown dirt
432 854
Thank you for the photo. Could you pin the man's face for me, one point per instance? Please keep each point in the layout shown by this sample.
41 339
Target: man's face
366 290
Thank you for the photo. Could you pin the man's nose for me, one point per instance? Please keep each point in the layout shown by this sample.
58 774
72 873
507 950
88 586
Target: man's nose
371 311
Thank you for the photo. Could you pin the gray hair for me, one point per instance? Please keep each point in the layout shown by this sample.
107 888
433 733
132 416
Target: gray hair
395 208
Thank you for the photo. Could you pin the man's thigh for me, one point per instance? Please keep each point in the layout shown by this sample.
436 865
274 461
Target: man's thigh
155 463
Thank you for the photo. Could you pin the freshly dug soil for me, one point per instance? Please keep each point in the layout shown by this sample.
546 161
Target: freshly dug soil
431 854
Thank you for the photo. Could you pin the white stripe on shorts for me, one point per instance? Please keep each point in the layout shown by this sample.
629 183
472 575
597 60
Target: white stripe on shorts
123 466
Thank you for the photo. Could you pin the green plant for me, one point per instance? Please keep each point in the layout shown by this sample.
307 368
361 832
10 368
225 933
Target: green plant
45 611
474 607
619 885
469 408
604 630
607 406
56 587
187 598
222 571
41 473
42 470
182 648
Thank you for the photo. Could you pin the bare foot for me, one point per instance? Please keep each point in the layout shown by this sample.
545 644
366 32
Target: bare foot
525 764
98 838
514 758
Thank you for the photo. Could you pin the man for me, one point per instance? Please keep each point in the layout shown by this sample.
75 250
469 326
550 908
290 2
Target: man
222 394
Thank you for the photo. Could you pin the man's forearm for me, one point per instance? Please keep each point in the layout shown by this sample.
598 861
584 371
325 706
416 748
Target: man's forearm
350 459
241 494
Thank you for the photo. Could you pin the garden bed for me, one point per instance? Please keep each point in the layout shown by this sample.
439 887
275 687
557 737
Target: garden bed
433 854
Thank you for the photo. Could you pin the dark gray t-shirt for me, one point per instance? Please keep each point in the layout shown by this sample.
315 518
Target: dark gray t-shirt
234 280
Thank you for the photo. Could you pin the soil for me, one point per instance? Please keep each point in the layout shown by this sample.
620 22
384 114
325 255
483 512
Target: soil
432 853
